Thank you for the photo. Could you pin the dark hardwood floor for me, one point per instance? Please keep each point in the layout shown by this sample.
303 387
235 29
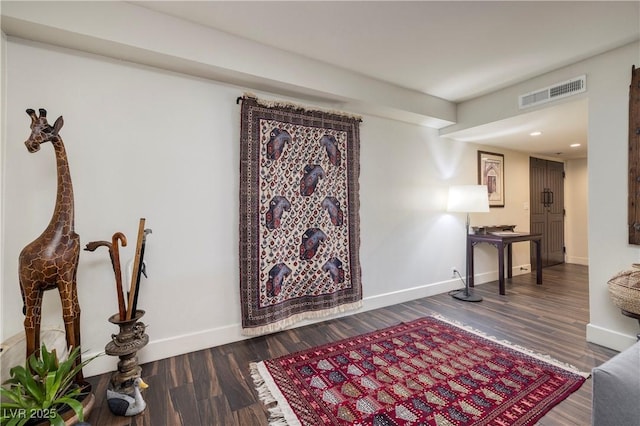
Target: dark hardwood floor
214 387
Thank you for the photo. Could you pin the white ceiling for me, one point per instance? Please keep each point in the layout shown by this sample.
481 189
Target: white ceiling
453 50
561 126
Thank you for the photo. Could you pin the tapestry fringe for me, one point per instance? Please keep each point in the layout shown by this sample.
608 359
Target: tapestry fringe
282 324
293 105
542 357
281 413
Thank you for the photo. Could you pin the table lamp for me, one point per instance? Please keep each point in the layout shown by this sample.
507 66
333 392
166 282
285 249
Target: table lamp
468 199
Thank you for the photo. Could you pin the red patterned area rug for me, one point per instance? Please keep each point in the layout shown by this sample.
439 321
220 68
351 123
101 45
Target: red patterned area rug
425 372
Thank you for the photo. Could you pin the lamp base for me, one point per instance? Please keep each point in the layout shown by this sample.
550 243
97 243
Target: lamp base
461 295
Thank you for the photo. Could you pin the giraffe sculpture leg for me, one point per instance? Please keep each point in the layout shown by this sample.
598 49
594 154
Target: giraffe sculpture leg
31 291
71 317
32 308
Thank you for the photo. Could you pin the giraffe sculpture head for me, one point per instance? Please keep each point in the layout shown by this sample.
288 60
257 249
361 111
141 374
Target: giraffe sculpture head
41 130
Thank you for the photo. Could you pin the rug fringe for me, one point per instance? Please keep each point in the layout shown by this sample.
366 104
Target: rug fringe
294 106
263 390
282 324
281 413
543 357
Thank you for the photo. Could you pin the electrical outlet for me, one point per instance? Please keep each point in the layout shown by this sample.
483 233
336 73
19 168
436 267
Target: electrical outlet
454 272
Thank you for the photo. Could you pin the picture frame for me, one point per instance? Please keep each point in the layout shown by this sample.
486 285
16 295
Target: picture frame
491 173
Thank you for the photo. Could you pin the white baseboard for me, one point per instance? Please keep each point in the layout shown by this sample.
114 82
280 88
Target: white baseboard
609 338
578 260
178 345
493 275
172 346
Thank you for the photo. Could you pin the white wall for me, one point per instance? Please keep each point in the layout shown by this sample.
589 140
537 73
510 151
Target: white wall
609 250
3 134
576 205
608 79
142 142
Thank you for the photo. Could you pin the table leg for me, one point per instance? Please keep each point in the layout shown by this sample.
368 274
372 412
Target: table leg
470 274
500 247
538 262
509 261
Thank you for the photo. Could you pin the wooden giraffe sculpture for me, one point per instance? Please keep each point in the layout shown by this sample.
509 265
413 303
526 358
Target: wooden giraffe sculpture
51 260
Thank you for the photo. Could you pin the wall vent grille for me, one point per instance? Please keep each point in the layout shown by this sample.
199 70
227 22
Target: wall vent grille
551 93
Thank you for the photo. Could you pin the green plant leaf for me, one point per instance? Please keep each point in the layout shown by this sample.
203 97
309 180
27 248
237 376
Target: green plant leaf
13 394
64 375
68 380
36 365
44 383
52 360
9 381
16 373
52 386
13 415
75 405
34 389
16 421
56 420
25 378
46 355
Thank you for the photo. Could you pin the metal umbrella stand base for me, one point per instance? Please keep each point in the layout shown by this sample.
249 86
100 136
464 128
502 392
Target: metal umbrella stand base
126 345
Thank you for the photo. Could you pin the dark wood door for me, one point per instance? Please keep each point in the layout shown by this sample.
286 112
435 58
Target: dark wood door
547 208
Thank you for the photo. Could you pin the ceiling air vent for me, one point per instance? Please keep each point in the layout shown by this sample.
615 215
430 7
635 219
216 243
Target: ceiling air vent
551 93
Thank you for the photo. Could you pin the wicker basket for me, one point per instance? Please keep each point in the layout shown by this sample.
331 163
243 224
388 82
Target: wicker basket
624 289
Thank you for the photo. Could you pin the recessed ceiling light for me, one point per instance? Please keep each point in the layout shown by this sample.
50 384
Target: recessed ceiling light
574 145
538 133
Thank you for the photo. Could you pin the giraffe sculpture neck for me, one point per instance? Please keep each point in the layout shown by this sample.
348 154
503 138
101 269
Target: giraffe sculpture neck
62 220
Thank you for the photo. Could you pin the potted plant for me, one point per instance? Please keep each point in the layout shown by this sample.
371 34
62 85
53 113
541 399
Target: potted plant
42 389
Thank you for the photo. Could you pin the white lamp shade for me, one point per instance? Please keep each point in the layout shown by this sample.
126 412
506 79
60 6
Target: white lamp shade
468 199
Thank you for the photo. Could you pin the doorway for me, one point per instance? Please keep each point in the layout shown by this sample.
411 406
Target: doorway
546 189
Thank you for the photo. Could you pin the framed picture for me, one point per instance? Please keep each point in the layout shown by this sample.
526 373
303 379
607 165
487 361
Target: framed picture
491 173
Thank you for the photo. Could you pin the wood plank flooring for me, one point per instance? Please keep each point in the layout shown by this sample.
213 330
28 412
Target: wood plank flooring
214 387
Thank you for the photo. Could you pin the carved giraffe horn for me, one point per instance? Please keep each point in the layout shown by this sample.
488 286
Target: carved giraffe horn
32 114
43 113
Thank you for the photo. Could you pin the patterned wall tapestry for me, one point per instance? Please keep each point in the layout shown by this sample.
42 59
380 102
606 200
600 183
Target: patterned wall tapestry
299 222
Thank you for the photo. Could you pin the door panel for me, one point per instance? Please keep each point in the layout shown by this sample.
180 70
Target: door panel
536 208
555 238
547 208
555 213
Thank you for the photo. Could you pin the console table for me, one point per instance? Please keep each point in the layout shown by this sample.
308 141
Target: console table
500 240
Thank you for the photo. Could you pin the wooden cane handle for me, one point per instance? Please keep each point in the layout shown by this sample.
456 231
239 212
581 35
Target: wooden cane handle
136 268
119 237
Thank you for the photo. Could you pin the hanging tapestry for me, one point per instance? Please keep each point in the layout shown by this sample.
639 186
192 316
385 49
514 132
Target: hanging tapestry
299 221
